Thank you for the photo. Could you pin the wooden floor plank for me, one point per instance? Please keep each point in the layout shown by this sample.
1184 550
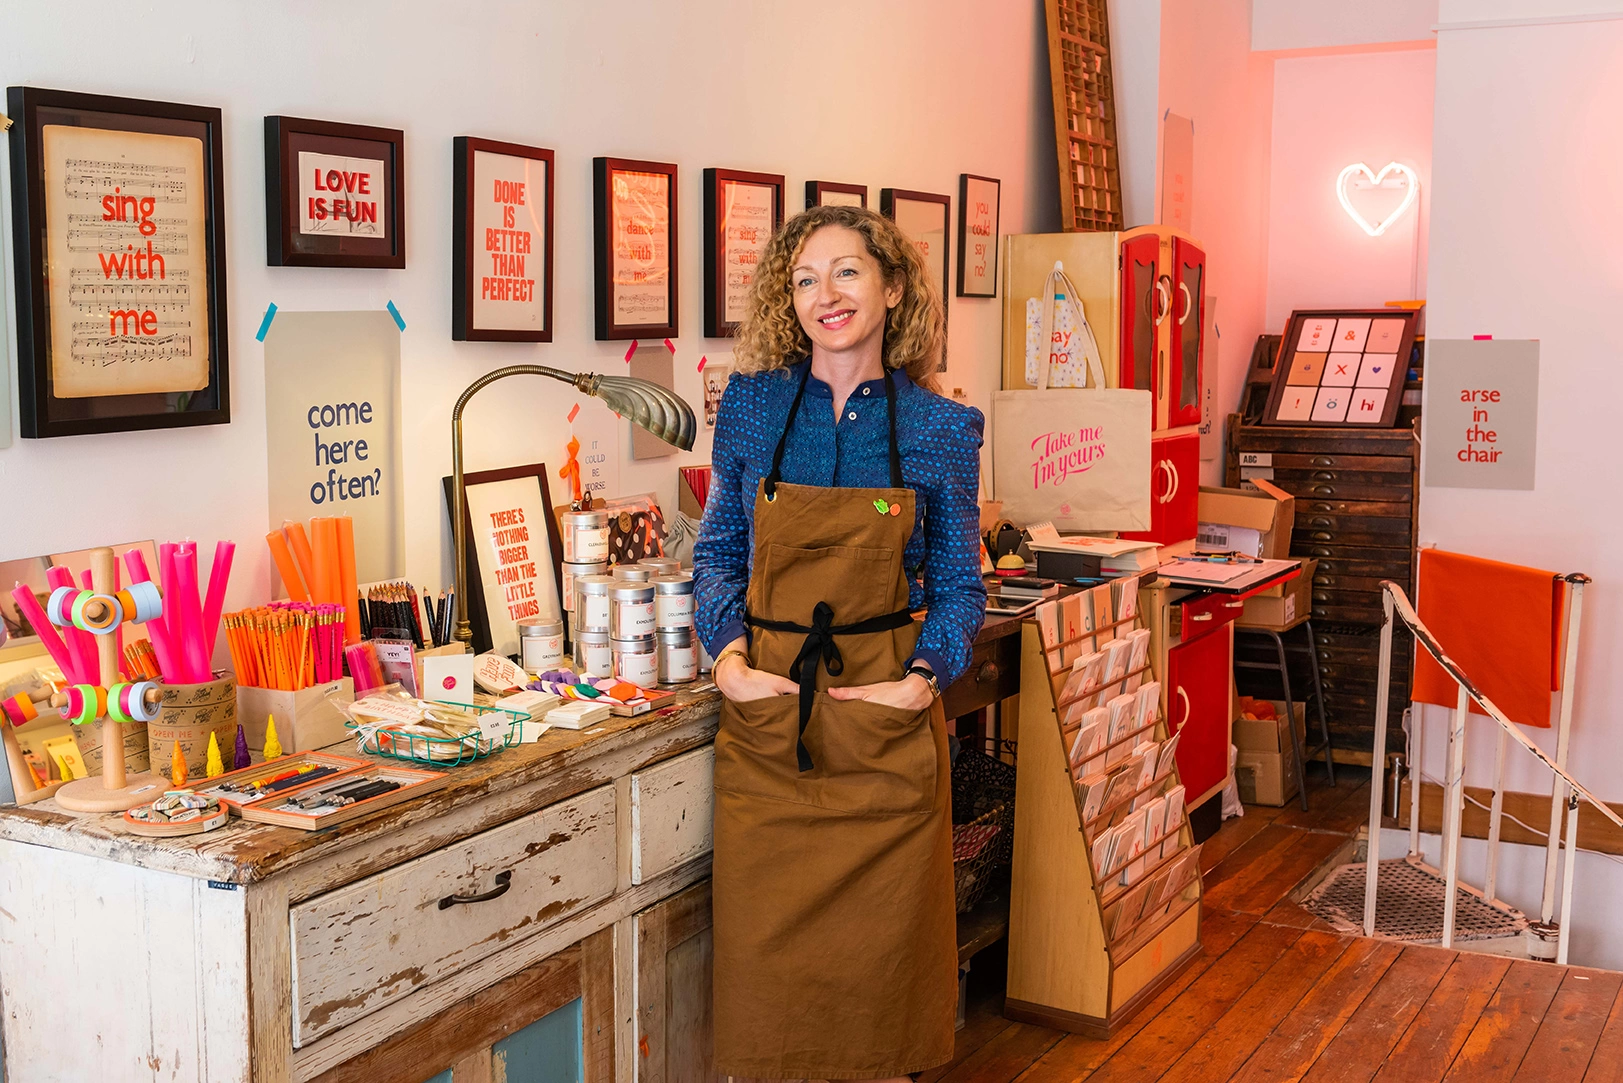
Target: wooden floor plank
1230 837
1322 799
1606 1066
1271 876
1565 1042
1166 1037
1314 1022
1428 1047
1008 1054
1350 814
983 1021
1229 1043
1075 1055
1358 1050
1251 855
1497 1043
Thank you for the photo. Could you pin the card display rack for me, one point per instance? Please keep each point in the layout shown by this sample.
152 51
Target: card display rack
1104 906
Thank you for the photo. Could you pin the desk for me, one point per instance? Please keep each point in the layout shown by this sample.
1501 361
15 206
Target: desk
268 954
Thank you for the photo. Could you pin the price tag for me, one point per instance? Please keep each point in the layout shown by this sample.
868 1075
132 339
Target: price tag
1256 458
493 725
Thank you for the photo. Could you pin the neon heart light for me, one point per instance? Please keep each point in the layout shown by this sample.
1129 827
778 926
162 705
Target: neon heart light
1374 181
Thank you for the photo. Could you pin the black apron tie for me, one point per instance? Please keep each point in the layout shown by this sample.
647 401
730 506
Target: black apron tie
820 645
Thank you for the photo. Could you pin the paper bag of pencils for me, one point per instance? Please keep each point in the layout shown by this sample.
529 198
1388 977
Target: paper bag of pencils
187 715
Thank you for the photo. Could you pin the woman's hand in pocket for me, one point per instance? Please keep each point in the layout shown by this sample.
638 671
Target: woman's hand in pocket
911 693
738 681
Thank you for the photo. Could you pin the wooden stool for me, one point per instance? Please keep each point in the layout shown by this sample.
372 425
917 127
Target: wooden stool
1280 666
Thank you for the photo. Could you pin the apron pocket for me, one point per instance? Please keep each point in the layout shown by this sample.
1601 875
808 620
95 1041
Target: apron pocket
869 758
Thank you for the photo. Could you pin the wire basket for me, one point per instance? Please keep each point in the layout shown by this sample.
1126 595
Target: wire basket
983 824
438 751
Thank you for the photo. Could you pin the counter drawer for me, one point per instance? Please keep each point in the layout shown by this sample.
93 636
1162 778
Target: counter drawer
672 809
372 942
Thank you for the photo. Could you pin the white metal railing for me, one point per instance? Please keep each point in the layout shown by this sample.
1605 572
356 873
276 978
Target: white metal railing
1564 790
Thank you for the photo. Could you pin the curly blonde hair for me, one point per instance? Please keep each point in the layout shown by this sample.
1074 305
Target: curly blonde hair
770 336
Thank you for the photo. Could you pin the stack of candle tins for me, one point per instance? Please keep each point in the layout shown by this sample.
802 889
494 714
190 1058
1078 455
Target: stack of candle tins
182 636
286 645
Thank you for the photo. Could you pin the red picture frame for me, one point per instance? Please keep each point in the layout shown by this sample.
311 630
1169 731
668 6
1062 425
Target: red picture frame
816 190
473 246
718 265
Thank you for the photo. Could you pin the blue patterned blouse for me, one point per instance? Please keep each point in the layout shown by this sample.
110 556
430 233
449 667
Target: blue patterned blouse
940 444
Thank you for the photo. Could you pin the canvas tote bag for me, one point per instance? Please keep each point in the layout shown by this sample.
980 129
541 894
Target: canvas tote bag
1078 457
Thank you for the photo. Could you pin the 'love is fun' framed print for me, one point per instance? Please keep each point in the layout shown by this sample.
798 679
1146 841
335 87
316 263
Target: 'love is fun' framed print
334 194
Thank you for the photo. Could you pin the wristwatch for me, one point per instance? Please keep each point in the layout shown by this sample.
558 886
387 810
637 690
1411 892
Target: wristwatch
929 678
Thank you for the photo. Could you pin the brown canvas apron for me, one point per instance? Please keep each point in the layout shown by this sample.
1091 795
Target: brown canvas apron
835 939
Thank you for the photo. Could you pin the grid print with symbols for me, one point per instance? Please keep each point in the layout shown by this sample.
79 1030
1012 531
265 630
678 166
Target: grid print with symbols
1341 369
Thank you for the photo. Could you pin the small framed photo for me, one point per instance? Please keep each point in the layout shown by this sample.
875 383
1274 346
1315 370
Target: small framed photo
977 235
515 554
834 194
634 221
334 194
501 241
119 221
715 377
741 212
1342 367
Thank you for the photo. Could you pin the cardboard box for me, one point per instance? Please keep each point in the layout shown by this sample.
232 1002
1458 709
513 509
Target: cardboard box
1254 523
1265 765
305 720
1281 606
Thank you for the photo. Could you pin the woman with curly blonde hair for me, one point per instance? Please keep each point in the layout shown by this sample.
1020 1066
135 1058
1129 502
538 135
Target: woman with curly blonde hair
843 498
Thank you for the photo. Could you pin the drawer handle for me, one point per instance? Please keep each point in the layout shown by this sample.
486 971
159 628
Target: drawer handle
1199 616
504 881
1319 551
987 674
1187 710
1321 520
1320 535
1323 460
1234 605
1324 490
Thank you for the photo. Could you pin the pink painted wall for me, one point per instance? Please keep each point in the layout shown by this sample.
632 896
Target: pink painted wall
1328 112
1209 74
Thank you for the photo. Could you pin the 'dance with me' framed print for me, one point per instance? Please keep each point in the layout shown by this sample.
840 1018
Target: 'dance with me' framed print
501 241
118 211
634 234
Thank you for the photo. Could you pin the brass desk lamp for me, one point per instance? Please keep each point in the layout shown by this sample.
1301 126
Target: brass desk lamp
648 405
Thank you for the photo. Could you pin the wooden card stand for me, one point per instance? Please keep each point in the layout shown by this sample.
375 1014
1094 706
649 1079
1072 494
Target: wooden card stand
114 791
1084 956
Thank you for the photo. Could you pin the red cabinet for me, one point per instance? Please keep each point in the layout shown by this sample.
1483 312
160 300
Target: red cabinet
1187 346
1143 309
1174 489
1199 700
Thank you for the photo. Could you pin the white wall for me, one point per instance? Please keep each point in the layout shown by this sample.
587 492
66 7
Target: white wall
1209 74
1328 112
1135 67
906 94
1324 24
1527 207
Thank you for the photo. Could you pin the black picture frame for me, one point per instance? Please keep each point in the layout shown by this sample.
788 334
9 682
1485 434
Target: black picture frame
716 324
967 241
44 413
466 275
285 244
816 189
888 199
606 327
1291 372
474 604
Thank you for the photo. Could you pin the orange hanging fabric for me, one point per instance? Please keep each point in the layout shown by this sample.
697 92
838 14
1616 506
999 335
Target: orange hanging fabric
1501 623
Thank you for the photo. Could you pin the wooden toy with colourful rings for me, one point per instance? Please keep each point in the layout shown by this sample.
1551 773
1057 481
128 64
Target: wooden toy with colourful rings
135 701
19 709
101 614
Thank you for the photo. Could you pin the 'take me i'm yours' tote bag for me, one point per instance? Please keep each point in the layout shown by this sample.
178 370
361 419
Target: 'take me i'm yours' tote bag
1078 457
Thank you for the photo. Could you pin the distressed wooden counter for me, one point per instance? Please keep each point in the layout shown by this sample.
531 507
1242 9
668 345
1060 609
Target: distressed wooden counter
265 953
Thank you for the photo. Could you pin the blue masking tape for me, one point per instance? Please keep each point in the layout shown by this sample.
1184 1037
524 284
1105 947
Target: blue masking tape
395 312
264 325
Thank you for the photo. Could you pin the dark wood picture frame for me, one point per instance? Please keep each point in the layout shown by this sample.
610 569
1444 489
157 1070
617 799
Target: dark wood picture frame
816 188
606 327
1286 365
465 272
887 207
285 246
474 604
965 243
43 413
716 324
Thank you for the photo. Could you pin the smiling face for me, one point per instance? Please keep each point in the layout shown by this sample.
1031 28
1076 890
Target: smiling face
840 293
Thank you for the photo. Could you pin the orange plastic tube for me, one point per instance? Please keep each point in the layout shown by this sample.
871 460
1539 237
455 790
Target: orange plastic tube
299 542
346 579
285 567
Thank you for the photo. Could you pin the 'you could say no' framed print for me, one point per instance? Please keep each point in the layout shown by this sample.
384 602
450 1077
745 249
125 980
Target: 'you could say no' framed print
501 250
119 220
334 194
